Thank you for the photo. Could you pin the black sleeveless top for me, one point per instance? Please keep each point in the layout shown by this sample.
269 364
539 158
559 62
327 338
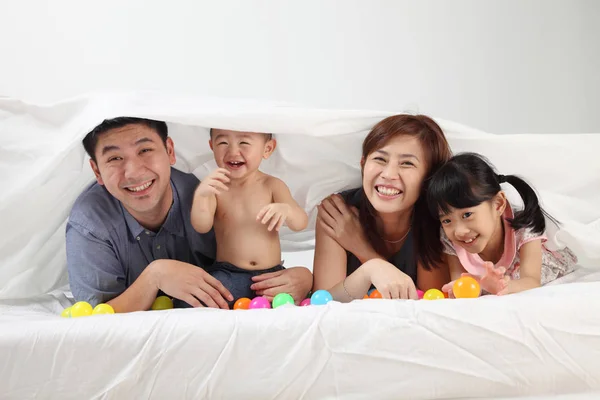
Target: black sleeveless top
404 259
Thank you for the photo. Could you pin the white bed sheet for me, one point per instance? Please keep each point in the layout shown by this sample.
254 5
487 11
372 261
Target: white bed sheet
540 342
43 168
543 342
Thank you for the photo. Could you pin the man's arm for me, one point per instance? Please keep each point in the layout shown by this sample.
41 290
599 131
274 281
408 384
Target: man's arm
297 219
97 276
140 295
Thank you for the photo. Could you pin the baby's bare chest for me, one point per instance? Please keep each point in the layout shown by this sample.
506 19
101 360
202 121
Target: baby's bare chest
242 206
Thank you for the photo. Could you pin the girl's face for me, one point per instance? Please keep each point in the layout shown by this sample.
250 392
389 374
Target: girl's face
475 228
393 175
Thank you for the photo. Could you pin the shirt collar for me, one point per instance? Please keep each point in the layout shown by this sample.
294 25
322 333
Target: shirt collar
173 224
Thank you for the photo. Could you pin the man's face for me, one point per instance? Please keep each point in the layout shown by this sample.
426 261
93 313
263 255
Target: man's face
134 165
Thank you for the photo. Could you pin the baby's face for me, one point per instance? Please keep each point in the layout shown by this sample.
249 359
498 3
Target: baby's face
240 152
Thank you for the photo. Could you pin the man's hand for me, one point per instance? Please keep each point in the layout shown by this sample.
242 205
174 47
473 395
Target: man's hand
215 183
296 281
277 213
190 283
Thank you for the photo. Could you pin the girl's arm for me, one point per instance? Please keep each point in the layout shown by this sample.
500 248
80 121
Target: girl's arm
454 267
437 277
455 270
530 272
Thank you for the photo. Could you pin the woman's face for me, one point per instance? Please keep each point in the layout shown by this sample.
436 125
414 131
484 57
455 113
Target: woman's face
393 174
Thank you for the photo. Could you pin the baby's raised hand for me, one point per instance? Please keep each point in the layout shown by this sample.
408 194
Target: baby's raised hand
214 183
493 281
277 213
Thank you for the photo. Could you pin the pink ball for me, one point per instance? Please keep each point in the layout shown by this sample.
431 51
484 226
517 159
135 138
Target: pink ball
259 302
420 293
305 302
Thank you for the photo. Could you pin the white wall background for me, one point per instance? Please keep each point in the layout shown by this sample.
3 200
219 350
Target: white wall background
508 66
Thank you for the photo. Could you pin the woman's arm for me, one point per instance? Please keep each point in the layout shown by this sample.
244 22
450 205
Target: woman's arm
530 272
341 223
329 267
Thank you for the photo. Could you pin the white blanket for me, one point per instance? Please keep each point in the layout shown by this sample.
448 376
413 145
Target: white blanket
43 168
540 342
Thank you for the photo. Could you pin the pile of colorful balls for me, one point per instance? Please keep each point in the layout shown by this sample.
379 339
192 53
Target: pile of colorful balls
318 298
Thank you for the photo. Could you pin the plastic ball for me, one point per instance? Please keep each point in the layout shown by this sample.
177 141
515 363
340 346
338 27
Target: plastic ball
81 309
366 296
162 303
282 299
259 302
320 297
66 313
433 294
103 309
370 291
420 293
375 295
466 287
242 304
305 302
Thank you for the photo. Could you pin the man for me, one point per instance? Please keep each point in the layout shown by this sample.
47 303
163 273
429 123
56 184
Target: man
129 235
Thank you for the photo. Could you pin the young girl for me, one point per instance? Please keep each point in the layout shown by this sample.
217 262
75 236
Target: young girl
484 237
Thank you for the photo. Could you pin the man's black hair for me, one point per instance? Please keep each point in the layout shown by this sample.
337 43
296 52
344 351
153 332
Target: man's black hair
91 139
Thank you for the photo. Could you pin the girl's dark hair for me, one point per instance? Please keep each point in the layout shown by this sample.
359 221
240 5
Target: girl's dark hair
428 248
469 179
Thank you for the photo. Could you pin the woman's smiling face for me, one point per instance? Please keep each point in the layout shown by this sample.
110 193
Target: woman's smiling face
393 174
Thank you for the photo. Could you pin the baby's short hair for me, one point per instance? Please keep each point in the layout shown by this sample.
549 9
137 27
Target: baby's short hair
268 136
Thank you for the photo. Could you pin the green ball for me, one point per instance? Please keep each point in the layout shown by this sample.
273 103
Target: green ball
281 299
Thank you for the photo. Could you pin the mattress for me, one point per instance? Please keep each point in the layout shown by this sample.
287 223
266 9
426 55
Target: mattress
542 342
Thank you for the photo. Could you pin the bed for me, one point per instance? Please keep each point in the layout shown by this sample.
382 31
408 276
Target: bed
540 343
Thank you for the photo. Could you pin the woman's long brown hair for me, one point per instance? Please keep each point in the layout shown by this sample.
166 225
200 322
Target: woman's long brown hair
426 231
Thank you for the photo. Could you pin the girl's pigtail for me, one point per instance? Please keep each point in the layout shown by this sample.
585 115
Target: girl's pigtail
532 216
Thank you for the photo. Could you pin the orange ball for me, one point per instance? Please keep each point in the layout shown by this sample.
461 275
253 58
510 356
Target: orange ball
375 295
242 304
466 287
365 296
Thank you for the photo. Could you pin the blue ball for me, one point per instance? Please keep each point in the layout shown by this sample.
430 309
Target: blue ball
370 291
320 297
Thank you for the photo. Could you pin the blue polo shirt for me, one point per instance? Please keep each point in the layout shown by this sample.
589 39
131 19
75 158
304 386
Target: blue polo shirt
107 249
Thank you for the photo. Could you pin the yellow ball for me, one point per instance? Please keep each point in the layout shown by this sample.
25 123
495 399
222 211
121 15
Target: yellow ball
162 303
433 294
66 313
81 309
103 309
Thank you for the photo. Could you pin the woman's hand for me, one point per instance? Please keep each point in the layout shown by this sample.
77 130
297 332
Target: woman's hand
341 222
389 280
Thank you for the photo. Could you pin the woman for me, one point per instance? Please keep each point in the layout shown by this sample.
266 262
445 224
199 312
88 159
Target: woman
385 219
